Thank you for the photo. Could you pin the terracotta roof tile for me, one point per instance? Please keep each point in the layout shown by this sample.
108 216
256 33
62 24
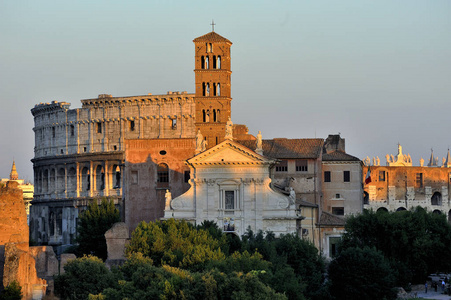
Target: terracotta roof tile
331 220
211 37
283 148
339 156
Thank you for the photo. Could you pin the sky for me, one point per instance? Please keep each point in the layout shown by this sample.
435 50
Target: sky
377 72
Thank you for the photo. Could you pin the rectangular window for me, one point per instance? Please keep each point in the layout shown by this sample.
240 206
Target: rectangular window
229 201
419 180
326 176
339 211
132 125
381 175
282 166
338 196
333 244
346 176
301 165
99 127
72 130
174 123
53 132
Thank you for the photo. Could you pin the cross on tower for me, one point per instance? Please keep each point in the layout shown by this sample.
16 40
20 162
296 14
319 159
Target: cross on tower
212 25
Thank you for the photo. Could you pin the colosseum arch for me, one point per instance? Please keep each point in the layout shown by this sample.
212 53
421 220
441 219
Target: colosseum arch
437 211
401 208
85 182
100 178
61 180
52 180
72 180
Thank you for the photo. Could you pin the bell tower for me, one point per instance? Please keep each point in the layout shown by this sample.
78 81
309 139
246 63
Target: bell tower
213 91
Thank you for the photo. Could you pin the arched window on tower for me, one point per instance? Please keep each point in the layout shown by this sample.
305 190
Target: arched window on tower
214 115
207 116
218 119
207 63
203 89
218 90
214 89
202 62
218 63
207 93
214 61
204 116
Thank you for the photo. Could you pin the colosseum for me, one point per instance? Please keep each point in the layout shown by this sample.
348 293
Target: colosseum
79 153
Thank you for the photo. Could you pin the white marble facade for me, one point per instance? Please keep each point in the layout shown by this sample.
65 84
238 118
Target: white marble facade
230 184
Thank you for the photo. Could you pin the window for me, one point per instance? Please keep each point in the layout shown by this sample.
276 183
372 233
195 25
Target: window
419 180
163 173
99 127
174 123
186 176
132 125
337 196
436 199
381 175
326 176
229 201
53 132
333 244
282 166
301 165
346 176
72 130
339 211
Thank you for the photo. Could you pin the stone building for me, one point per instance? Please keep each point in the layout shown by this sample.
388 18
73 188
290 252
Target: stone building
26 187
230 184
399 185
80 153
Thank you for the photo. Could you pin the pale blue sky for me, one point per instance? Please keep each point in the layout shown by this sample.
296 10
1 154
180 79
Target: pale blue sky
378 72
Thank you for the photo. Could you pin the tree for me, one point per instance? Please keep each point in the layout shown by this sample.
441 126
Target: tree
416 242
83 276
93 223
12 292
175 243
361 274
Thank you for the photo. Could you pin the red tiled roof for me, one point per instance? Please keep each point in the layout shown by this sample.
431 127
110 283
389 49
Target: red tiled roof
339 156
283 148
331 220
211 37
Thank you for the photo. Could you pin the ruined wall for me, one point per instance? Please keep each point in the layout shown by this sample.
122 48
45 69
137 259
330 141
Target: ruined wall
16 261
397 188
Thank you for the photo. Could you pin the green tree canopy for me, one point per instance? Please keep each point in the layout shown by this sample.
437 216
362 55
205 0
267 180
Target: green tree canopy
83 276
93 223
415 242
361 274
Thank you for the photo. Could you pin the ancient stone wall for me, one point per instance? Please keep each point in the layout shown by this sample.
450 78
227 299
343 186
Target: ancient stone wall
17 260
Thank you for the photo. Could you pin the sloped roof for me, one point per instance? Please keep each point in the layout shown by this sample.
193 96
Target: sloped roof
339 156
283 148
211 37
331 220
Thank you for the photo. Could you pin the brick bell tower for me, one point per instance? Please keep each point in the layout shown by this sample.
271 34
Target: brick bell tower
213 90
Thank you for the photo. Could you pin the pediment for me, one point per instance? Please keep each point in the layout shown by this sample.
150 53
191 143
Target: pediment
229 152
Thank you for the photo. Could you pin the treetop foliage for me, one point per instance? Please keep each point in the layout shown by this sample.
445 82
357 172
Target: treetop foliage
93 223
415 242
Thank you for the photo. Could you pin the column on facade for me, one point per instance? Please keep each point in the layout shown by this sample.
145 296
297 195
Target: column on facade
77 179
91 173
107 179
